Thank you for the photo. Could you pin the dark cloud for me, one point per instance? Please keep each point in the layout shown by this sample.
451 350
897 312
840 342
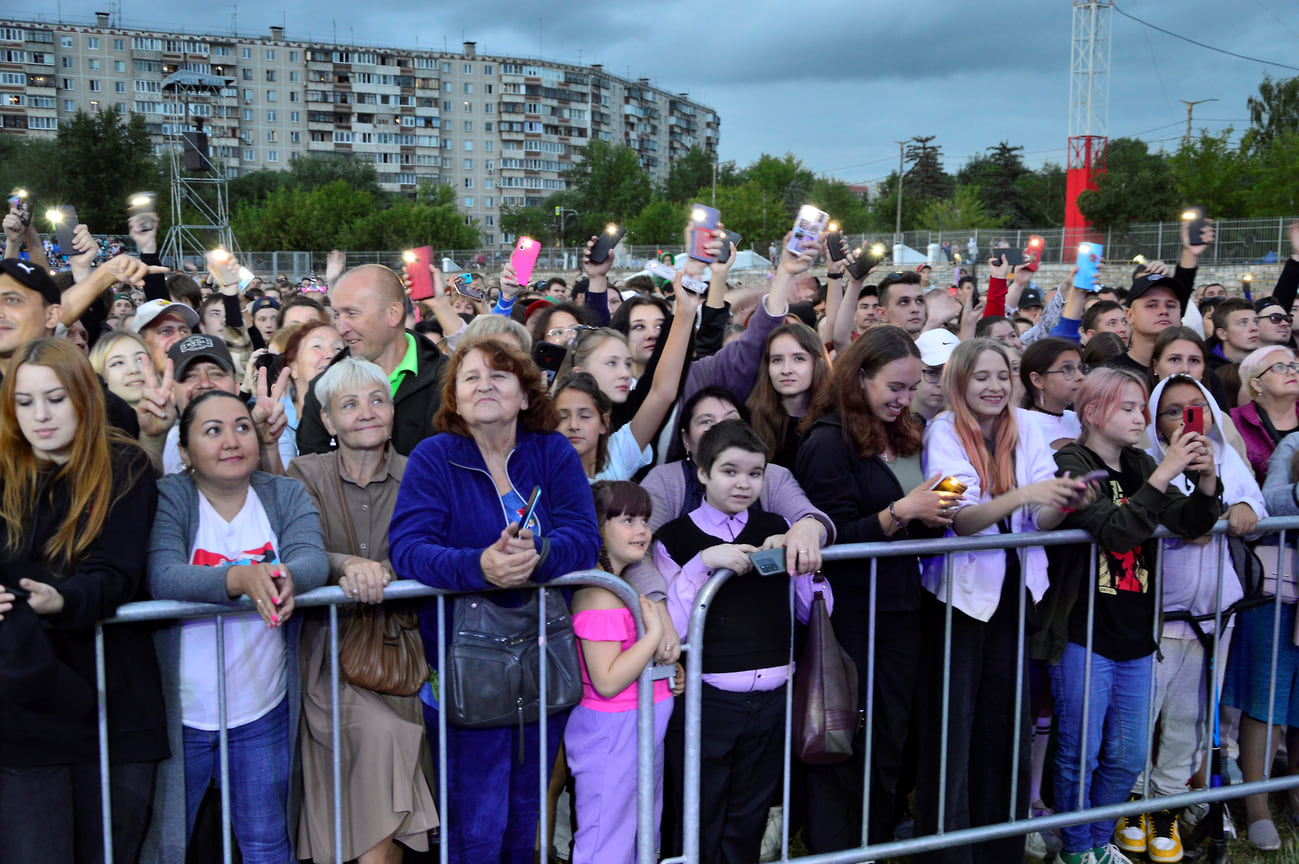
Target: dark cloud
837 82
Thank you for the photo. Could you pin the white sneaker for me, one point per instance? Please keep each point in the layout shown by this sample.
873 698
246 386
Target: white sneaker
1035 846
1111 854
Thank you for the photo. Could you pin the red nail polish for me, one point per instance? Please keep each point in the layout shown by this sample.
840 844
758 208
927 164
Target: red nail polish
275 620
275 600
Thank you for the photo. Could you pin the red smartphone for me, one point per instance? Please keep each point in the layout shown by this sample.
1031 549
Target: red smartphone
1193 419
1033 253
703 224
421 279
524 259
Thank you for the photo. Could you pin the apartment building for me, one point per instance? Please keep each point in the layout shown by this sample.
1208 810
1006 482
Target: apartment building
501 130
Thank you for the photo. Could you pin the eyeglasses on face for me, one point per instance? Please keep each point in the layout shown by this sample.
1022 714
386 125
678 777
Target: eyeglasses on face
1277 318
1070 371
562 332
932 376
1280 368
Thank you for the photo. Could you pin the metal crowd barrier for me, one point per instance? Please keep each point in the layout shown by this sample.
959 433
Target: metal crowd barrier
333 597
1015 824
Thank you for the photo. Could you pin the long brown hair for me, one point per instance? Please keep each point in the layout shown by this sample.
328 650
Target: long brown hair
996 469
766 412
862 430
88 473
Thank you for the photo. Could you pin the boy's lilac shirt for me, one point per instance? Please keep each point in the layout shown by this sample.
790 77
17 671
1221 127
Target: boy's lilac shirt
684 582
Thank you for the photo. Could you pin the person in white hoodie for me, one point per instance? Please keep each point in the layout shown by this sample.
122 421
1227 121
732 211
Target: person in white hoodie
1191 584
1007 468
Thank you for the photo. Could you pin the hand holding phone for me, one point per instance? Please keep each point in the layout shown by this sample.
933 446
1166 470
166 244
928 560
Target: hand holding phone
701 231
64 221
1195 224
463 284
1089 266
1193 419
866 259
1033 253
20 204
417 269
729 238
529 512
834 243
609 238
524 258
808 228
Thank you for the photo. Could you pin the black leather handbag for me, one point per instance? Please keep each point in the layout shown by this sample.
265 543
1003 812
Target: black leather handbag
494 661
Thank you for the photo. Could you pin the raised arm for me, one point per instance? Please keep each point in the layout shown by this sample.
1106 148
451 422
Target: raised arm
667 377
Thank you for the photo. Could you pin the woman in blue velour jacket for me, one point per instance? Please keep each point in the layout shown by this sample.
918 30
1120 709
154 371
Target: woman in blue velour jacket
454 527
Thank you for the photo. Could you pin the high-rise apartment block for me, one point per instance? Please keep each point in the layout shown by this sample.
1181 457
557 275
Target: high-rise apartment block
501 130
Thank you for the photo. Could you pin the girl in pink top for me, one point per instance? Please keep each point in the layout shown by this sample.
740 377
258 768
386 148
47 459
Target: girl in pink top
600 738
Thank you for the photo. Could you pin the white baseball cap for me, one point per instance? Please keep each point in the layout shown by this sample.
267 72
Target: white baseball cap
936 346
145 313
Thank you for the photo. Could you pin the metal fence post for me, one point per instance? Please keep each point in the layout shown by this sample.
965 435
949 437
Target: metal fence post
105 766
223 743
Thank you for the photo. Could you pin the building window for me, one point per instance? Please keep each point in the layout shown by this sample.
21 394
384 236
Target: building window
249 155
469 125
69 84
487 70
271 136
487 127
92 42
293 56
272 116
95 86
469 68
446 68
469 88
66 62
295 137
446 86
293 116
446 106
489 183
469 182
469 164
248 74
271 95
294 77
469 200
119 65
270 53
119 44
248 55
272 155
270 75
491 220
489 108
92 64
119 86
469 145
248 115
66 41
489 146
294 96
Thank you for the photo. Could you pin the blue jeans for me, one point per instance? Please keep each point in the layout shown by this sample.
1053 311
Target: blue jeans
1118 737
260 754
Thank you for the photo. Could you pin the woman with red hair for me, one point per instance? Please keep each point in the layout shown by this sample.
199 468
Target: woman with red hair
1005 464
76 497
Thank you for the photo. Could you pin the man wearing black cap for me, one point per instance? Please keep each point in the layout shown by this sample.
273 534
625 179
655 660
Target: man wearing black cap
1031 303
1155 302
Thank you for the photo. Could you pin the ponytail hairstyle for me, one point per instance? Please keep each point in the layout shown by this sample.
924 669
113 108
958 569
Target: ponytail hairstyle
996 469
88 472
614 498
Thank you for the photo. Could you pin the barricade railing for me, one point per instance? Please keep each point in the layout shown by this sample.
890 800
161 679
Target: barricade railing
402 590
1015 823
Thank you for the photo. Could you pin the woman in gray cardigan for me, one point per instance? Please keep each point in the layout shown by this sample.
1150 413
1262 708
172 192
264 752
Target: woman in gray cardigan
214 542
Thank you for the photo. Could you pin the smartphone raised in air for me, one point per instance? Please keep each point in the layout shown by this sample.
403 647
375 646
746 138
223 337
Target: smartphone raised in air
64 220
729 238
1089 265
834 243
1033 253
1195 230
524 259
463 283
605 243
20 203
701 231
1193 419
417 268
807 228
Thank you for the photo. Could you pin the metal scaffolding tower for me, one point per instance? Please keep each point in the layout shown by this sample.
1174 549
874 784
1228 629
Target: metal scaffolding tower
1089 106
200 196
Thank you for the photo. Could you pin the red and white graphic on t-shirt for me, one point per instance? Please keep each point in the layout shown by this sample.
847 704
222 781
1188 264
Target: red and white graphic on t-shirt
264 555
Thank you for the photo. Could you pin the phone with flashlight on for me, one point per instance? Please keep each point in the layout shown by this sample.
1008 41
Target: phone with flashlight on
64 220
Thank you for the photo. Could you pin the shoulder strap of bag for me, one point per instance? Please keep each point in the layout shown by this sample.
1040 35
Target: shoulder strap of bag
352 544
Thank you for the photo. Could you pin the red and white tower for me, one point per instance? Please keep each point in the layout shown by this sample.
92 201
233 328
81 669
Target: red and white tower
1089 107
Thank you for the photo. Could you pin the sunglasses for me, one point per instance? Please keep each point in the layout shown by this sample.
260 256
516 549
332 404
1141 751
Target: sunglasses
1277 318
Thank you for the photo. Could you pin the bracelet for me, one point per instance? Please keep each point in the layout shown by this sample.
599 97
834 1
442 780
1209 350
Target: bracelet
902 523
833 275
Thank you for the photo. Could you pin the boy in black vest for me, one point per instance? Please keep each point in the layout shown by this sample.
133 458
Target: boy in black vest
746 644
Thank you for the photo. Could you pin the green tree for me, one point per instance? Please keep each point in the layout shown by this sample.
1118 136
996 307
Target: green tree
997 174
32 164
1212 173
964 209
534 222
407 224
1044 193
1137 186
607 185
758 214
1273 188
307 172
925 177
694 171
785 178
843 205
1275 110
104 157
660 223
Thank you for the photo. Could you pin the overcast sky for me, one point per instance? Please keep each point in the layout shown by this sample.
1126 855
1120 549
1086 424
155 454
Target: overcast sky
840 84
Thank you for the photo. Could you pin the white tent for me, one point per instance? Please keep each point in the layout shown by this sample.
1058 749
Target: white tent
903 254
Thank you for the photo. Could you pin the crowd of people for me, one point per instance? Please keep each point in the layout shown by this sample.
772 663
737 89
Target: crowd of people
236 442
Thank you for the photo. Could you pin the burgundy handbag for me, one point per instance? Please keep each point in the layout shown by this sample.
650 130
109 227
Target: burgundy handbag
826 713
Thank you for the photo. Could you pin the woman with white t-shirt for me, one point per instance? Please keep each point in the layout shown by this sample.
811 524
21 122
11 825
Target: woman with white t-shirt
1052 372
224 532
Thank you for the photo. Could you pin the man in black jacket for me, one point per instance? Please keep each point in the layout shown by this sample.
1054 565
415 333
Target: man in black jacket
371 305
